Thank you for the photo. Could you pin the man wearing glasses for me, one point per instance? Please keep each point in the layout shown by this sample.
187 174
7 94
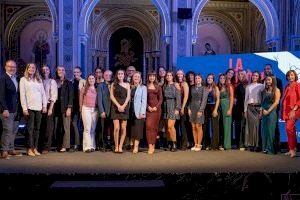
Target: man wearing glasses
9 101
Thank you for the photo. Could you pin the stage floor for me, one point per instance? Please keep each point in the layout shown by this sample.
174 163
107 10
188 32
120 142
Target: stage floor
160 162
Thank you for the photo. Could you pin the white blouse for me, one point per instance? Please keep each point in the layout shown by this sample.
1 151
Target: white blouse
32 95
253 94
50 87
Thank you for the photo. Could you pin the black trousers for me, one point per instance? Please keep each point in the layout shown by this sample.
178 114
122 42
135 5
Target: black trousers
75 128
104 125
240 128
211 123
47 130
184 126
33 126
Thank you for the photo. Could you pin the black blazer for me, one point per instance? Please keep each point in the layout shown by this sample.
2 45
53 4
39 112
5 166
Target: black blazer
66 96
103 98
9 97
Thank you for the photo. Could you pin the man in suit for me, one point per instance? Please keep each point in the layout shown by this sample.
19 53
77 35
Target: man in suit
9 101
268 71
104 105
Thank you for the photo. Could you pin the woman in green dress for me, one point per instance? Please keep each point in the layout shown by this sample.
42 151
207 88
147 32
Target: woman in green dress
270 99
226 102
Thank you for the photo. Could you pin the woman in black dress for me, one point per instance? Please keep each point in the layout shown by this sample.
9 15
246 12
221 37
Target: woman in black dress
120 96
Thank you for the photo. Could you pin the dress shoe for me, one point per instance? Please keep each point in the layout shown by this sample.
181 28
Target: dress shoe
4 155
174 147
14 153
30 152
35 151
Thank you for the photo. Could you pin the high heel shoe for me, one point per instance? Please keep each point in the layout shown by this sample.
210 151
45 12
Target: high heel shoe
198 148
293 154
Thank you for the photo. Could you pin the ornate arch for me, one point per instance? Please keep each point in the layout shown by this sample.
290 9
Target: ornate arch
265 7
19 21
89 6
233 31
53 12
135 18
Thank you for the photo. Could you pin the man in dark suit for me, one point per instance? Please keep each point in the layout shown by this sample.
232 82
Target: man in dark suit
104 105
268 71
9 101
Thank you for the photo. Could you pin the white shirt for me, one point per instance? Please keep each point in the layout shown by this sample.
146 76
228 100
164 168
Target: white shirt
253 94
50 87
32 95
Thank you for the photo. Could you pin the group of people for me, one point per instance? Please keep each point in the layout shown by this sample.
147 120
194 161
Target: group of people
173 110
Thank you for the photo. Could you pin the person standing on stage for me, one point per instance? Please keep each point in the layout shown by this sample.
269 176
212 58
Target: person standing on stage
162 137
211 114
226 101
240 120
196 109
34 102
9 101
270 98
252 108
78 84
129 73
63 108
104 105
120 97
268 71
291 110
154 101
89 113
138 107
172 105
184 88
99 75
50 86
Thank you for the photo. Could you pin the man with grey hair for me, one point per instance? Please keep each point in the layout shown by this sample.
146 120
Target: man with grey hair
104 104
129 73
9 101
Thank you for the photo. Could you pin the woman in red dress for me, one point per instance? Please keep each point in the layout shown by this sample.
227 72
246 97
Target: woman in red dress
291 110
154 101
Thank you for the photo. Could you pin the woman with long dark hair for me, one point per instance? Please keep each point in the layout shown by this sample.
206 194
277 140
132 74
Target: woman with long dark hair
154 101
270 99
226 101
252 109
172 105
120 97
196 110
211 114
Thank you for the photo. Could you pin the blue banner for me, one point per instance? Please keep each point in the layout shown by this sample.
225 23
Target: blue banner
281 62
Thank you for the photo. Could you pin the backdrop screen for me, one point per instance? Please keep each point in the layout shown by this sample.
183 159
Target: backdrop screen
280 61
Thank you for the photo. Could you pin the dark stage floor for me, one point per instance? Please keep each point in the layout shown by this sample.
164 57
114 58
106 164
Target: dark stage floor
165 175
160 162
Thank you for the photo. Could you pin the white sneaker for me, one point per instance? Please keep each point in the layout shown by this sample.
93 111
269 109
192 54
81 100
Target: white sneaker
63 150
242 149
193 148
197 149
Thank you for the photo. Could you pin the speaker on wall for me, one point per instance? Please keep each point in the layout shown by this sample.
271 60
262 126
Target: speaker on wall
184 13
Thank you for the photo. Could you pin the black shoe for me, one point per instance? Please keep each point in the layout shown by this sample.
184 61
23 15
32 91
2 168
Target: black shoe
174 147
74 148
88 151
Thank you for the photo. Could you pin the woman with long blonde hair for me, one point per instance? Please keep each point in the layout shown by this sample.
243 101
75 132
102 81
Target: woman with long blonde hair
34 102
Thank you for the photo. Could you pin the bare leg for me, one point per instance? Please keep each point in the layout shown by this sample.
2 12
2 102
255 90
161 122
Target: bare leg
172 130
194 128
116 134
136 146
123 134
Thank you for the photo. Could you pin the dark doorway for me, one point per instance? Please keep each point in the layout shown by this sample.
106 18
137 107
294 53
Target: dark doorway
125 49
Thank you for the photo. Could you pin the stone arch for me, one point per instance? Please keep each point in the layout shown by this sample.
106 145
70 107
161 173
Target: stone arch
19 21
266 9
89 6
134 18
232 29
53 12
